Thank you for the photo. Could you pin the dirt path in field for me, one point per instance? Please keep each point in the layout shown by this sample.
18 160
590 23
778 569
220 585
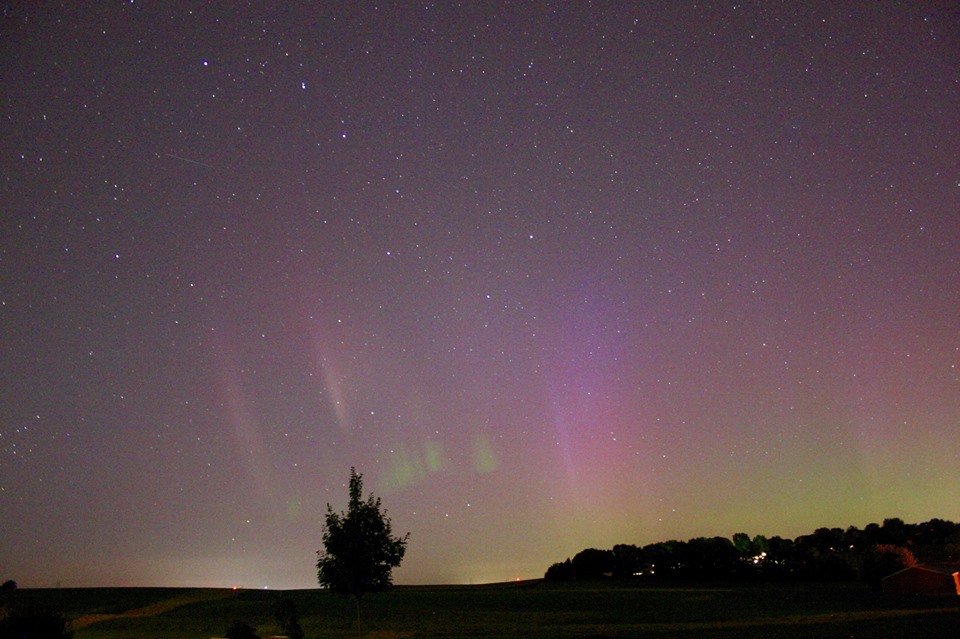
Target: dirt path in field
153 609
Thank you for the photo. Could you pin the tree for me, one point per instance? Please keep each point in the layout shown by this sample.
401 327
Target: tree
741 541
710 557
627 560
562 571
360 551
882 560
592 563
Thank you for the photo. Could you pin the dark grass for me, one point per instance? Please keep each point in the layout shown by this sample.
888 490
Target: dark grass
74 602
532 609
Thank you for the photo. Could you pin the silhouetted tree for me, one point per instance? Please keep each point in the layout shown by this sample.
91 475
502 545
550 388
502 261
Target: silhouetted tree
741 541
783 559
937 532
760 545
627 560
882 560
827 540
871 535
562 571
360 551
9 584
827 554
662 559
937 541
592 563
897 533
710 557
853 539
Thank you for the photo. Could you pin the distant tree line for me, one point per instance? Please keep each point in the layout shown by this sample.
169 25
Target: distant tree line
827 554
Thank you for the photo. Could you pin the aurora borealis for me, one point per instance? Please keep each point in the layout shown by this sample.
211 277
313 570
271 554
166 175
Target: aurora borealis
550 275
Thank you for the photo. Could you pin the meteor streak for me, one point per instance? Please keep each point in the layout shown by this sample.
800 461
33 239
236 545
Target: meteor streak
182 159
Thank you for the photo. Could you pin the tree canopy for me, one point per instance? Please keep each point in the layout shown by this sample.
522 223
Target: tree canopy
360 550
827 554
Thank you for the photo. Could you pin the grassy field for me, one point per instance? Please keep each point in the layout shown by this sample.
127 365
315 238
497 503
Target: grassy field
530 609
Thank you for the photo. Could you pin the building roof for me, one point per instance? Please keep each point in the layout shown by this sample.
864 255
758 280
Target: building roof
922 580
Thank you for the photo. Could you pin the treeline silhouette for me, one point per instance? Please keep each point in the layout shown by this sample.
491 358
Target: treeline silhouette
827 554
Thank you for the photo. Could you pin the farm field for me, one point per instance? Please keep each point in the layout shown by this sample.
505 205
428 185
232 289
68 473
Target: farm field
527 609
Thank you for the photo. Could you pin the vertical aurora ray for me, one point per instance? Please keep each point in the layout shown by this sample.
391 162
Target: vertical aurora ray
244 427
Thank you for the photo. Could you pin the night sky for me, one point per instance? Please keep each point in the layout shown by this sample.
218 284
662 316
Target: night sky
551 275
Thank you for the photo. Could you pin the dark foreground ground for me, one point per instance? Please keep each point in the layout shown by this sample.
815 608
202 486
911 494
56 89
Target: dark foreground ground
529 609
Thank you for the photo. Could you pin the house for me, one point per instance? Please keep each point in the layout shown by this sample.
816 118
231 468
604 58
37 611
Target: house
922 580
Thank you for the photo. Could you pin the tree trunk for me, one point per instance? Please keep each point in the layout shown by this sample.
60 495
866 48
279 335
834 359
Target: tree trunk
359 627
